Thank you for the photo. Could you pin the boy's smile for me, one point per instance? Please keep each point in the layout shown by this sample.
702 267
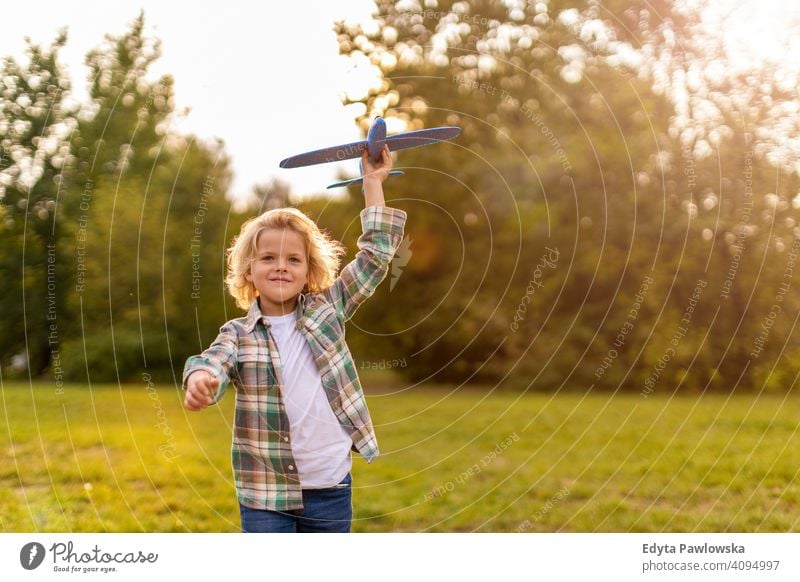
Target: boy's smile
279 270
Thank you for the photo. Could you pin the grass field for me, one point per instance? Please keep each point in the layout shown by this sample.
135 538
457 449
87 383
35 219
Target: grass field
107 459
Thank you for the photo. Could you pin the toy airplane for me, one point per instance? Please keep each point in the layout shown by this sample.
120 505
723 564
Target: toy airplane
376 138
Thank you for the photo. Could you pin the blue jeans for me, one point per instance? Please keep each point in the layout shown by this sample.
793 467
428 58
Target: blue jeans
327 510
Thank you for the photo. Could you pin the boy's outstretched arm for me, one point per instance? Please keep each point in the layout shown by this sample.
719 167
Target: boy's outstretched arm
374 175
206 376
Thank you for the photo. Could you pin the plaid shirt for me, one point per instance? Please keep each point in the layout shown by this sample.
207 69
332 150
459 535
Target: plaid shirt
244 354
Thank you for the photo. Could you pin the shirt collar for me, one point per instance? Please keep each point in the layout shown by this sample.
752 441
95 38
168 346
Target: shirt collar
254 313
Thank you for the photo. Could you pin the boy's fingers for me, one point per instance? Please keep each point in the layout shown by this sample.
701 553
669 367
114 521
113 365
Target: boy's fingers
196 395
206 395
199 404
200 394
211 387
191 402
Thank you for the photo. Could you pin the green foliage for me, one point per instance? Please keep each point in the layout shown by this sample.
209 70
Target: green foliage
564 148
121 356
575 235
122 226
34 126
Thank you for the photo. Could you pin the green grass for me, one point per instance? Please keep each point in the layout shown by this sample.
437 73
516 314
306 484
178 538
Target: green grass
97 460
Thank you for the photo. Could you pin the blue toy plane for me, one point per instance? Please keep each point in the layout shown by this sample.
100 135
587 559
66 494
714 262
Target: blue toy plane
376 138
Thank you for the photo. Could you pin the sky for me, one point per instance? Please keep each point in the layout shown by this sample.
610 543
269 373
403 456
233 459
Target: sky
287 50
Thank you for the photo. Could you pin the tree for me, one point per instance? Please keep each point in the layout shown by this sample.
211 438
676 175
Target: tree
151 214
35 127
568 143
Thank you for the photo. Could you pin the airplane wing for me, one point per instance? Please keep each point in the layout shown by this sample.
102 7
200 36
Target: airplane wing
361 179
413 139
346 151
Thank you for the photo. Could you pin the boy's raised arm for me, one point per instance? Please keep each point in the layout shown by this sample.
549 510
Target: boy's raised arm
374 175
382 233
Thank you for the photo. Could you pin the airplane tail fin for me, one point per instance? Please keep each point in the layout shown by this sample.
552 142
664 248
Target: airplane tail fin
360 179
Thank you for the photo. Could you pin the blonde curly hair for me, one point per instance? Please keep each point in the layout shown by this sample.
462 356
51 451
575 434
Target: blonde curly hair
324 253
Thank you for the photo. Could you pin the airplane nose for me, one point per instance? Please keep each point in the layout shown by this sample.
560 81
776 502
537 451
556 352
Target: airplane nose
376 138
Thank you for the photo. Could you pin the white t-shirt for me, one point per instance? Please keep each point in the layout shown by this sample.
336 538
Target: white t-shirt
320 446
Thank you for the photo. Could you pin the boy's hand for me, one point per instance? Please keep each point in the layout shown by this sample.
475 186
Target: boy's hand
200 389
374 175
378 171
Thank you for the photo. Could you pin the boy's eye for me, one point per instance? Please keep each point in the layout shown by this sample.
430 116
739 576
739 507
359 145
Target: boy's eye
295 260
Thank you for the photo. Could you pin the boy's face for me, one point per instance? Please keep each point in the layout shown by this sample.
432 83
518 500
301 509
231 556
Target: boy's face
279 270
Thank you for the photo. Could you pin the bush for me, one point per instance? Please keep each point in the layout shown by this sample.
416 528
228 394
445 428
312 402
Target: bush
119 356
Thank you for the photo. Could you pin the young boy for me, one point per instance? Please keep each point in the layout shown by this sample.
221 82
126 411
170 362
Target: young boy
299 404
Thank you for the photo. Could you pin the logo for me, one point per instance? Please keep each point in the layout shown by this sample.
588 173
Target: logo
401 258
31 555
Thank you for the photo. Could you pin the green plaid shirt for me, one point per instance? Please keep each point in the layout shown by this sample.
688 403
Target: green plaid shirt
244 354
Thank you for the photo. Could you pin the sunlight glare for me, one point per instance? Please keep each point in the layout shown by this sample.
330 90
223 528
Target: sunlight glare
757 33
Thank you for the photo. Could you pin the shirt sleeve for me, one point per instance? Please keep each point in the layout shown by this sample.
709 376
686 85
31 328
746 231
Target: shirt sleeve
382 233
219 359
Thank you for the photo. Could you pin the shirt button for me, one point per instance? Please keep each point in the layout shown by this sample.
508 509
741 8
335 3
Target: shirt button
286 439
291 467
